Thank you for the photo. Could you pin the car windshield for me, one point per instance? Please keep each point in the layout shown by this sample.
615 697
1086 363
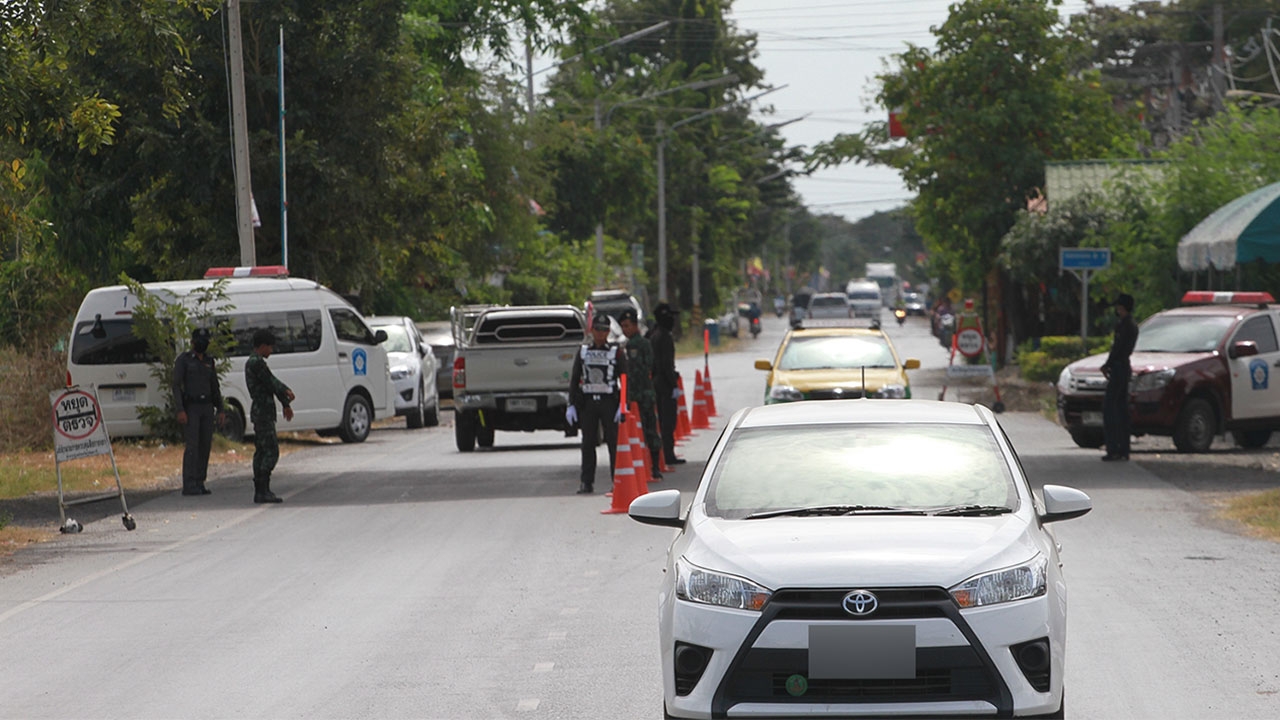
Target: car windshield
1182 333
842 352
907 467
829 301
864 295
397 338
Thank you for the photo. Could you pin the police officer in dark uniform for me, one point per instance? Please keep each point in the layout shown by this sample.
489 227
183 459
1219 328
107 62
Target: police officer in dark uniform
594 387
640 385
264 389
666 381
1115 403
198 398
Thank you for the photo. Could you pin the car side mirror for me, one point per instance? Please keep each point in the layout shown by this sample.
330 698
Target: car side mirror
380 337
1064 503
764 365
911 364
422 351
657 508
1243 348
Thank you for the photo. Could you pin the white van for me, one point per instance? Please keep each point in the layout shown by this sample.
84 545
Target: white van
865 298
324 352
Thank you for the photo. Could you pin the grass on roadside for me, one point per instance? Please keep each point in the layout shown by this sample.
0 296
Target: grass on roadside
1260 512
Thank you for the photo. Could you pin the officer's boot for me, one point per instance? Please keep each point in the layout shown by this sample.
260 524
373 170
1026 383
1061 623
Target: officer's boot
262 491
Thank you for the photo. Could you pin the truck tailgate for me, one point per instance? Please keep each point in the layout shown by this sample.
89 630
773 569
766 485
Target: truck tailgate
531 367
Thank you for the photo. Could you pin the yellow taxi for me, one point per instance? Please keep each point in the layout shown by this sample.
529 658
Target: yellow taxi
834 360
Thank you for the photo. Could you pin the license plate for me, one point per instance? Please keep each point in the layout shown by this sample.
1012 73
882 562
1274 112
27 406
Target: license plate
124 395
522 405
853 652
1091 418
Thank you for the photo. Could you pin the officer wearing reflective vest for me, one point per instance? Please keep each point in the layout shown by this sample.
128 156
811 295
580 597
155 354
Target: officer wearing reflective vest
594 388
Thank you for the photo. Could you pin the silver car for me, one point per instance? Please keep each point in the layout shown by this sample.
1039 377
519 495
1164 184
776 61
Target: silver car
413 370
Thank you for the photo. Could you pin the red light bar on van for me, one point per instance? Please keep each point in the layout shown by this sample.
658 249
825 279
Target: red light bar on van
1209 297
277 271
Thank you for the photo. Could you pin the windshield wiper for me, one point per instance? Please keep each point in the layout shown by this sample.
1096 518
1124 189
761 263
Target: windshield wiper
973 510
837 510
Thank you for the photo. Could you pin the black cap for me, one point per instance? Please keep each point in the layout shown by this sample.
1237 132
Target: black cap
600 322
200 334
1125 301
629 314
663 310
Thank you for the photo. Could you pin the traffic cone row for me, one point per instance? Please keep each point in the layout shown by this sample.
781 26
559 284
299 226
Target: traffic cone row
706 391
700 419
683 431
625 486
640 455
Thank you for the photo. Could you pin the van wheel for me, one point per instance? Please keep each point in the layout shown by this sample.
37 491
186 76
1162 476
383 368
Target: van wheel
1193 433
1251 438
484 436
357 418
232 424
413 418
464 430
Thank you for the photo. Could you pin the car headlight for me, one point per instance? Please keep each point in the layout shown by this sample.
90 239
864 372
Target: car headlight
1016 583
399 372
785 393
699 585
1064 381
891 391
1153 380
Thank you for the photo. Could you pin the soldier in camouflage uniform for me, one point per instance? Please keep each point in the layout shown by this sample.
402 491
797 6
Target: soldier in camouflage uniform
640 385
264 389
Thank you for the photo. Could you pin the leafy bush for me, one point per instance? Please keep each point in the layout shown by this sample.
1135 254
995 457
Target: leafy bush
1056 352
27 376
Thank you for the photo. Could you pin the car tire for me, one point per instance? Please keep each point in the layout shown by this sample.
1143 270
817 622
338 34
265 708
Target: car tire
1091 439
413 419
464 430
484 436
432 418
1251 438
233 427
1196 426
357 419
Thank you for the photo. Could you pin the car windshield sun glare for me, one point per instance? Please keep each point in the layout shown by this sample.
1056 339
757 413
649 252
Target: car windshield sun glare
699 585
1016 583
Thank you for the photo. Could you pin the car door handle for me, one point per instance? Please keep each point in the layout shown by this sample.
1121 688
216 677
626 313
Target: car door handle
342 355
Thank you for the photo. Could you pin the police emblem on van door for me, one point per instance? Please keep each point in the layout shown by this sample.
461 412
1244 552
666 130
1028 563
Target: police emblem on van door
1259 373
360 362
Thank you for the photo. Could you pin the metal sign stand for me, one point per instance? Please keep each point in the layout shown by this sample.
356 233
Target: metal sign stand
78 432
1081 262
969 340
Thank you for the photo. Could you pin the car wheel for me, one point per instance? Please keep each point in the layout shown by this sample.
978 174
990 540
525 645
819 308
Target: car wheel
357 419
1092 439
233 426
432 418
413 419
1251 438
464 430
484 436
1193 433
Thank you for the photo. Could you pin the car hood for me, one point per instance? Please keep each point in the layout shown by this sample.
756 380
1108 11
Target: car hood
872 550
829 379
1139 361
400 358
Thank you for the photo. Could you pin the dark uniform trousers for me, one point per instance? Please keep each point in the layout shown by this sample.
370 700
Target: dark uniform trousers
1115 412
667 420
266 450
198 436
649 424
596 412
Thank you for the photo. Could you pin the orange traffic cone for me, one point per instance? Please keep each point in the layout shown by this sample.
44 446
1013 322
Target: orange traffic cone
683 431
625 488
640 454
710 395
700 420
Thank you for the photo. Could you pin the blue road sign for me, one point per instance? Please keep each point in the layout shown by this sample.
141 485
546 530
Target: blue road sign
1084 258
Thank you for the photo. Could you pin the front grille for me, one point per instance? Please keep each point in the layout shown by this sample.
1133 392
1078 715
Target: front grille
841 394
827 604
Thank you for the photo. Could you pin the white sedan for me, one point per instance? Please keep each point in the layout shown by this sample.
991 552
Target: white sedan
857 558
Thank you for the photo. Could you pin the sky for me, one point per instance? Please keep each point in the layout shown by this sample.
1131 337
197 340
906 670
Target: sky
827 53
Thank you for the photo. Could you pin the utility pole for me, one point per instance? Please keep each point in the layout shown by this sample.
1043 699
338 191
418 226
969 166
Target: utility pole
1217 68
528 72
662 212
600 222
240 140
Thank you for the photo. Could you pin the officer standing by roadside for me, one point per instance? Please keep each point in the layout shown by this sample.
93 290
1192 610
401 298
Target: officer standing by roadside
198 398
666 381
264 389
1115 403
594 387
640 385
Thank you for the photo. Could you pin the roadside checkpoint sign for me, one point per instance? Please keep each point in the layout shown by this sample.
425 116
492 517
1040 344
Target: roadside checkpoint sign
78 431
969 342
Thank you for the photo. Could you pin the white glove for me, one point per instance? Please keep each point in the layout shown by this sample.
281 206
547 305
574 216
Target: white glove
675 393
571 415
617 417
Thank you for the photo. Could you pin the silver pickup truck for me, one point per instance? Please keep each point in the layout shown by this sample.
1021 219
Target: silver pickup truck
511 369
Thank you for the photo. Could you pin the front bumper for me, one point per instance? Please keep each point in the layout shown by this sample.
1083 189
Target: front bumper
759 662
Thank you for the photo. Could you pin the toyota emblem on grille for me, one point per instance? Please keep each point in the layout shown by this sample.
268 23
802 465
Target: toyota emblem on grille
860 602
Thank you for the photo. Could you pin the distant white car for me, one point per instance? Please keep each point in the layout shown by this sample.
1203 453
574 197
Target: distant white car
848 558
830 305
413 370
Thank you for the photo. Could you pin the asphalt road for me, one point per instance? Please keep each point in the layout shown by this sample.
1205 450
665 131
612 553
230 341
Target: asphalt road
404 579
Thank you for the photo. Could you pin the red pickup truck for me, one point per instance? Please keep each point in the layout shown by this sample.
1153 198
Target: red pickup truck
1198 371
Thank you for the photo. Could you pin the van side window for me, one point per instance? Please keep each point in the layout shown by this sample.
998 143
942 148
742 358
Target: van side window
118 346
296 331
348 326
1259 330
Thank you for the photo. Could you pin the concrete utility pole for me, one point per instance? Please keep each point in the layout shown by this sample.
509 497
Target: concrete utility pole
1218 68
240 140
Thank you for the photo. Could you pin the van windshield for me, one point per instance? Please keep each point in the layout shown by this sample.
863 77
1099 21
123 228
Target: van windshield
117 346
